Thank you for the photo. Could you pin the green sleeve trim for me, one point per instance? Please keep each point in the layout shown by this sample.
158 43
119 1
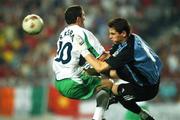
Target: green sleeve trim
90 47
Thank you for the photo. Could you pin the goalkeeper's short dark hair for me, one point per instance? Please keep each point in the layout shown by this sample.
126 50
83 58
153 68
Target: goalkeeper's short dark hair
120 25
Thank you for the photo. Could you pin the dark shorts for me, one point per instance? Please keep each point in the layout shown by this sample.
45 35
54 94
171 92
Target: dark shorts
137 93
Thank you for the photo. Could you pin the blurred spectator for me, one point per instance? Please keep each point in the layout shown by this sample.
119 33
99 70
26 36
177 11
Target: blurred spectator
168 91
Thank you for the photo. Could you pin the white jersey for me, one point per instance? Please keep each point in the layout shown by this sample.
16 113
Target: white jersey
66 61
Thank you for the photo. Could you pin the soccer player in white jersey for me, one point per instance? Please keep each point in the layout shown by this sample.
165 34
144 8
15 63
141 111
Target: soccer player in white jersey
71 80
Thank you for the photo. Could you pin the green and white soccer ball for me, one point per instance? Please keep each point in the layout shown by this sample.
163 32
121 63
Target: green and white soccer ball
32 24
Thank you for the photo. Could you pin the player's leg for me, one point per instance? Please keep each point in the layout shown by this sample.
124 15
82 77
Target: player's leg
102 90
128 94
102 98
84 88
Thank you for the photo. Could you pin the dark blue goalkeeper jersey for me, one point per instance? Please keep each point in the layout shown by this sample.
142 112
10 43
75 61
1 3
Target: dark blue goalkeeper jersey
135 62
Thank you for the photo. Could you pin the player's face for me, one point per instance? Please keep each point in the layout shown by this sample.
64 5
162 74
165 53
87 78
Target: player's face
115 36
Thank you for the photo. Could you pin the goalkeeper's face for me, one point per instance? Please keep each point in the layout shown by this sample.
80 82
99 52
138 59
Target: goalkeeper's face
116 37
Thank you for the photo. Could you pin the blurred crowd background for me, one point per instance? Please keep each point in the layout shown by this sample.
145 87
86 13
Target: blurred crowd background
26 60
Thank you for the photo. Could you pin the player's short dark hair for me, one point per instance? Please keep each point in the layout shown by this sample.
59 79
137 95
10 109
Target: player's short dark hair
120 25
72 13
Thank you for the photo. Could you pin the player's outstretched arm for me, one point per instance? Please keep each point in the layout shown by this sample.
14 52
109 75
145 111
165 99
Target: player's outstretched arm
98 65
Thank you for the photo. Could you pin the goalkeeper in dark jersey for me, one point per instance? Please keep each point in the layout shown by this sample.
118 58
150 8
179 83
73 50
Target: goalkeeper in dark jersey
132 60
